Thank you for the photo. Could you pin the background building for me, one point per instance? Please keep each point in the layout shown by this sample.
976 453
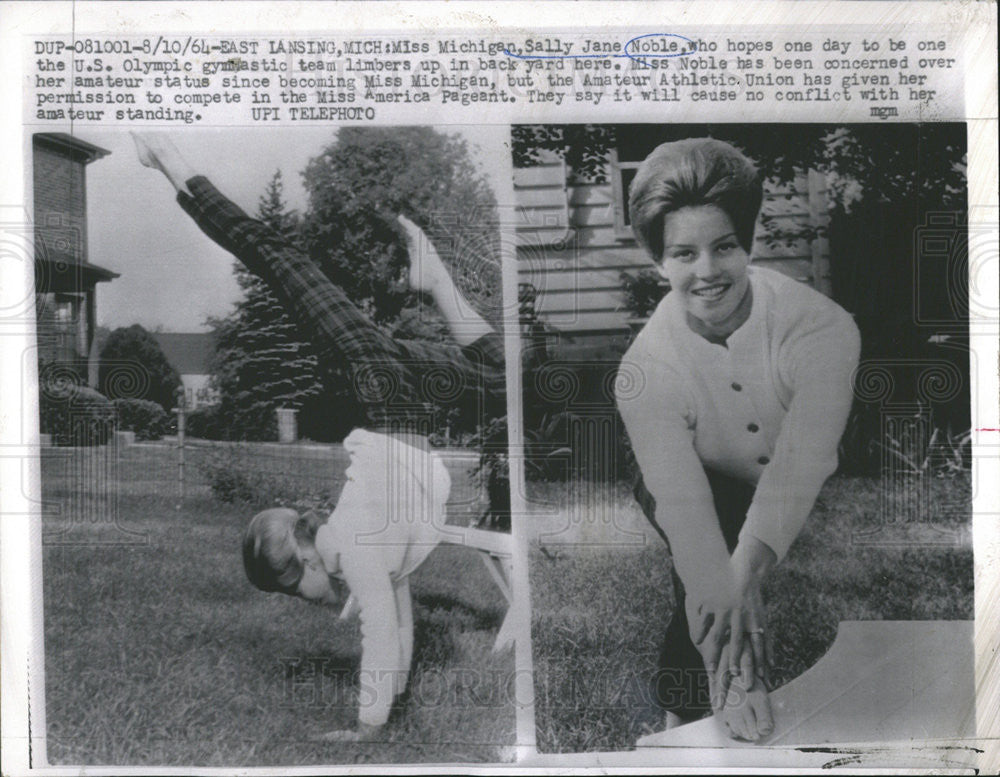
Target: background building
65 279
190 353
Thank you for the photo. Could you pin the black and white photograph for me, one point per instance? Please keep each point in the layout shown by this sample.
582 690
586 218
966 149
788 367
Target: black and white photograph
271 373
763 329
446 387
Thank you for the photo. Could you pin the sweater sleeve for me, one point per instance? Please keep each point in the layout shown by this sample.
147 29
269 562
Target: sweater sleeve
817 362
366 546
382 666
660 425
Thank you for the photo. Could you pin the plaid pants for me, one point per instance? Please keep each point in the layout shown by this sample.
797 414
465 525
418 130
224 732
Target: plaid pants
394 379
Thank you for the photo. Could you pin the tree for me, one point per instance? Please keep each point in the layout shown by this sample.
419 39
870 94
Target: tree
359 184
357 187
133 366
863 162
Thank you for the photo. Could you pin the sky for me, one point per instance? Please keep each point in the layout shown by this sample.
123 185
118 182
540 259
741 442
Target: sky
173 277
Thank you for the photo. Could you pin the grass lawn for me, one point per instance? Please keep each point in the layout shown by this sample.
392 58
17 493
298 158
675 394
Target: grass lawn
162 652
599 611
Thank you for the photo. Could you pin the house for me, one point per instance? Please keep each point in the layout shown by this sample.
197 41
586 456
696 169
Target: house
65 279
574 241
190 353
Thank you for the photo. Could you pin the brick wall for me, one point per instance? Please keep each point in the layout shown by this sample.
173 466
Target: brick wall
60 206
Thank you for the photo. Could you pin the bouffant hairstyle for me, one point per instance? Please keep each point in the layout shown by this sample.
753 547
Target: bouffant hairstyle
697 171
270 548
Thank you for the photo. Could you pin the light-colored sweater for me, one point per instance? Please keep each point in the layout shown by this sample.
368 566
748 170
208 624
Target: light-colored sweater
389 517
767 407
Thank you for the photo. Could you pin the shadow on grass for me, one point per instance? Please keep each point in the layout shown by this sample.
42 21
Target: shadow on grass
458 613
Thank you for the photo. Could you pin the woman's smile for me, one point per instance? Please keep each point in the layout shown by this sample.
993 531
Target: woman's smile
711 292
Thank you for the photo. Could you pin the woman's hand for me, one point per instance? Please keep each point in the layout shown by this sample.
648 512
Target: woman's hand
721 627
751 562
756 630
720 623
733 615
363 733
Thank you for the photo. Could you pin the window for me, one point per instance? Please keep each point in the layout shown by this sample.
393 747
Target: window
62 324
622 174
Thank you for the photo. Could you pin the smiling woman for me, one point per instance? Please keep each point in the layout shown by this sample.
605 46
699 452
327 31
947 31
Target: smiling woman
694 205
704 263
748 388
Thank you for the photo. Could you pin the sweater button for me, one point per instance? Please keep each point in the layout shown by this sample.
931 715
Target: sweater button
737 387
763 460
753 428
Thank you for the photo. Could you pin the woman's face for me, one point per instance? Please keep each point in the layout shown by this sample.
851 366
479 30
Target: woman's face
705 264
315 584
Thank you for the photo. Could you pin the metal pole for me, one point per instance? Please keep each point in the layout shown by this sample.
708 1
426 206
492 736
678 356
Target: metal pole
180 442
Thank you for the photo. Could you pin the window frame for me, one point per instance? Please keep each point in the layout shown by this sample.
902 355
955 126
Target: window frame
623 228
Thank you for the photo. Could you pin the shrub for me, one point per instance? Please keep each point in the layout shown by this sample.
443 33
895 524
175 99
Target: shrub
206 423
235 476
80 416
147 419
569 414
642 292
235 485
357 185
133 366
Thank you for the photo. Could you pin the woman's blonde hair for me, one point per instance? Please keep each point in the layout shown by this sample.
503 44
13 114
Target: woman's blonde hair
270 548
696 171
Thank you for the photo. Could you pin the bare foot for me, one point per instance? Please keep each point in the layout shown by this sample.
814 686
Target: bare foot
747 709
747 713
363 733
151 147
340 735
157 151
427 272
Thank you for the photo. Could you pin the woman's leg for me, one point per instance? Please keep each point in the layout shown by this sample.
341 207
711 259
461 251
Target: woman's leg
429 275
681 684
681 680
340 332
